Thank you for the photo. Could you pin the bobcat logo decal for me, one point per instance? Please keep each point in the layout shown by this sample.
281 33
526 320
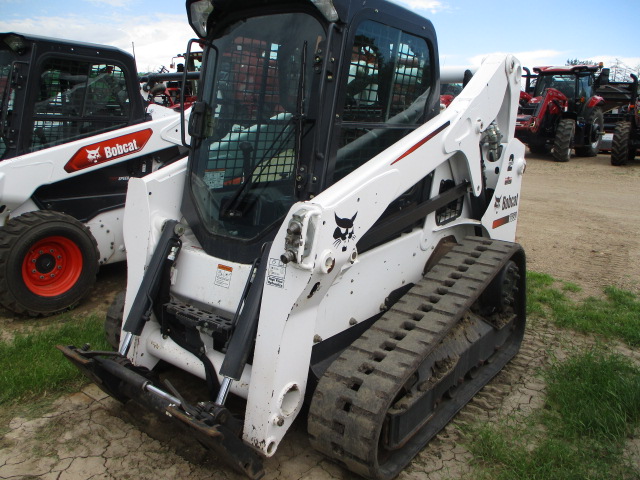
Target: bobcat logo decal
496 205
344 231
93 155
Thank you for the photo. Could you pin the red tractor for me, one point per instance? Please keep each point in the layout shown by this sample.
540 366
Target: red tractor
564 112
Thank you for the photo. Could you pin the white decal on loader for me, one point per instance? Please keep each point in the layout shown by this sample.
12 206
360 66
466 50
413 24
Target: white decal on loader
93 155
120 149
223 276
276 272
509 201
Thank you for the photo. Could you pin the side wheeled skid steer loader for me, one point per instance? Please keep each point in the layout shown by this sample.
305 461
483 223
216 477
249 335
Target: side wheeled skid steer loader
74 128
332 241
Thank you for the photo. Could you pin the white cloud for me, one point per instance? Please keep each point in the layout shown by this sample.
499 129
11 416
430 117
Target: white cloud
157 38
110 3
632 63
432 6
529 59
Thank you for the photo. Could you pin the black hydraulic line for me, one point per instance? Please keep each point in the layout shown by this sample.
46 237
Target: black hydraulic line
194 345
143 304
241 341
245 291
137 381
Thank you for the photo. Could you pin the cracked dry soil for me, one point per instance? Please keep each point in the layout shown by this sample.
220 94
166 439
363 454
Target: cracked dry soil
578 222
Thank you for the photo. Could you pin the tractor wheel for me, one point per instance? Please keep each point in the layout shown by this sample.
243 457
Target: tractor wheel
596 120
621 151
563 141
113 322
48 262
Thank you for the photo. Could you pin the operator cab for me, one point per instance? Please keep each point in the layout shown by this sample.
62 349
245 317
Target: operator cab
297 95
55 96
56 91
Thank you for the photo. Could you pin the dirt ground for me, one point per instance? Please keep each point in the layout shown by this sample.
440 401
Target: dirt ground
578 221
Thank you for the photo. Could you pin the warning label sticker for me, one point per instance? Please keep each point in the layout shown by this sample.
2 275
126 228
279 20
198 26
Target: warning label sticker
214 178
223 276
276 271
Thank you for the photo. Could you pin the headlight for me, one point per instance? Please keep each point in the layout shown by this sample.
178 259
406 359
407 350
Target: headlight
198 12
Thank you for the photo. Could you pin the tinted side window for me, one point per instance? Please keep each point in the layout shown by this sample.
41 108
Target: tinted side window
76 99
586 89
388 83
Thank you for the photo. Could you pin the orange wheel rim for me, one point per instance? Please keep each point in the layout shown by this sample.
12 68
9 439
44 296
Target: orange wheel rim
52 266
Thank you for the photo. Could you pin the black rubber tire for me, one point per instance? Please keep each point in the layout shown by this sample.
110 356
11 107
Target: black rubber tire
621 151
113 321
563 141
596 119
60 276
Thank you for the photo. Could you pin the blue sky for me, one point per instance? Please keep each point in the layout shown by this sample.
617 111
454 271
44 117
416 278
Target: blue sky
468 30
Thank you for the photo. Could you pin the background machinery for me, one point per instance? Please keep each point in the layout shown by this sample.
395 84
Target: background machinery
73 129
168 90
625 120
564 112
334 241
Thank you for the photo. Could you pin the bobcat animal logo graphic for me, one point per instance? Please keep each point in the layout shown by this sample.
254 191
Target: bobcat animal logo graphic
496 205
93 155
344 231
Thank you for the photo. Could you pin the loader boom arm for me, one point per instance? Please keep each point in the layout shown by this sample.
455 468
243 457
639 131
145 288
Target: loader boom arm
284 339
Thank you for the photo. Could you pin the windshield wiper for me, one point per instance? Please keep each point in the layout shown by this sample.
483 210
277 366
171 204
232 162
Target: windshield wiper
229 209
298 117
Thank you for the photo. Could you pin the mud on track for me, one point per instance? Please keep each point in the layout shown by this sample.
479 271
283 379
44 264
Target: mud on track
578 221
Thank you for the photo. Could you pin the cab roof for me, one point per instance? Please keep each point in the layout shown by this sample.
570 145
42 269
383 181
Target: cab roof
567 69
7 39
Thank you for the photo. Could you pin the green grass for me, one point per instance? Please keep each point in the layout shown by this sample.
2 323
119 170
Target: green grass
615 316
593 404
31 366
596 394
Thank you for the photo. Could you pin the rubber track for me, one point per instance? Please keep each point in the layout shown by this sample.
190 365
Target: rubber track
354 395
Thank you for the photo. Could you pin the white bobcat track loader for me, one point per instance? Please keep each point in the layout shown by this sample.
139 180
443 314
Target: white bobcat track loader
333 240
73 130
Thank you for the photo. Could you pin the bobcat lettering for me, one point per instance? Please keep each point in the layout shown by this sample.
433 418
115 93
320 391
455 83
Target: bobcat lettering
119 149
509 202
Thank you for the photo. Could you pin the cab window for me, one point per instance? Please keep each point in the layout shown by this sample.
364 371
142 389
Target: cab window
76 99
388 83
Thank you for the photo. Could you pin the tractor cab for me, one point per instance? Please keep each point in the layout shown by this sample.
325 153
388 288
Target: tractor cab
577 83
